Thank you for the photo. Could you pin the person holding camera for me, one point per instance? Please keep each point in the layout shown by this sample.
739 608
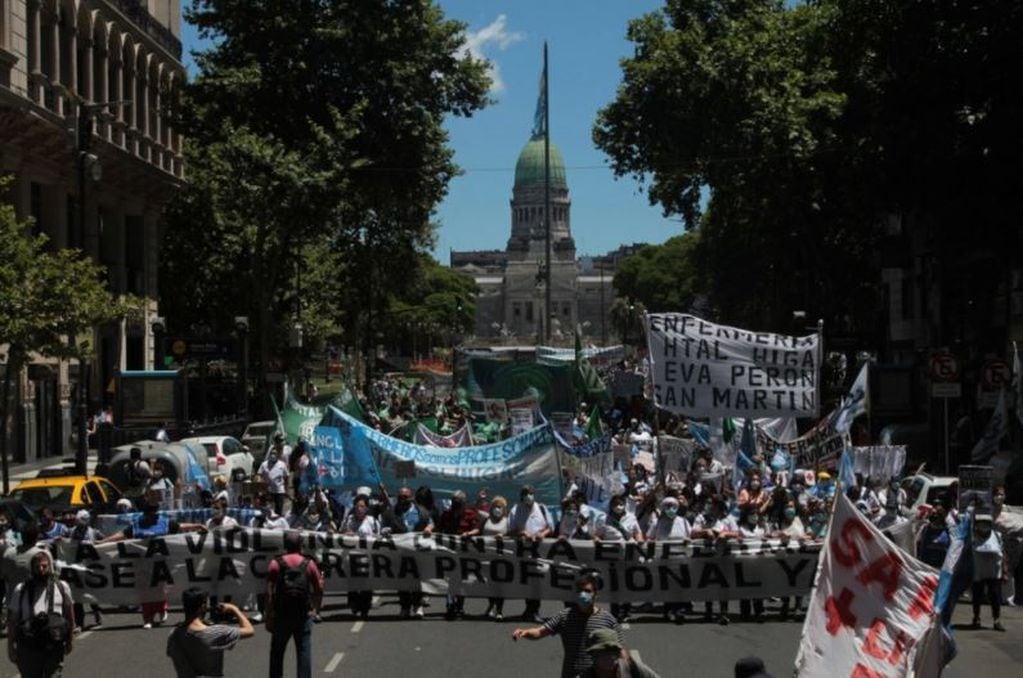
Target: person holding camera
39 621
197 648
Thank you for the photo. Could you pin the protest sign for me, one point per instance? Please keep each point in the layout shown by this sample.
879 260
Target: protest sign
496 411
880 462
872 604
594 476
819 447
702 369
521 420
976 487
368 457
460 438
676 456
233 563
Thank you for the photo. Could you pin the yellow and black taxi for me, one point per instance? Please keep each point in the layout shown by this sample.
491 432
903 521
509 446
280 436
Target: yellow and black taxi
56 490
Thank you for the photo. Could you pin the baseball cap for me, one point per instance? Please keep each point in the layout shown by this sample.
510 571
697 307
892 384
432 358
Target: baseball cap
602 640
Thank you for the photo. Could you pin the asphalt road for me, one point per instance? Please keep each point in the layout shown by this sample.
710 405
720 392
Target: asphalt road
384 645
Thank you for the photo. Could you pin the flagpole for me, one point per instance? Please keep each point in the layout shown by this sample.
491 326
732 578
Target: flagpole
547 199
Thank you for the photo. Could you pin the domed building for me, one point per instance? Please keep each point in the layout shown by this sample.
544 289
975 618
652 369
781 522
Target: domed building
512 283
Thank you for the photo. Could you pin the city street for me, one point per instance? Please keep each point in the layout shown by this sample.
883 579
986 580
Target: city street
387 646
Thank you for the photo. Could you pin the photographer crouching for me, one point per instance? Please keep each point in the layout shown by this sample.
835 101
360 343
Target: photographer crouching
40 620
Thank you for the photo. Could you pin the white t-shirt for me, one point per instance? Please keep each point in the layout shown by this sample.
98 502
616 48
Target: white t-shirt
531 519
20 607
367 526
607 531
226 523
664 529
276 475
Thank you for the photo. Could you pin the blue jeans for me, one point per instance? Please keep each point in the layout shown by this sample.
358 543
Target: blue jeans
285 630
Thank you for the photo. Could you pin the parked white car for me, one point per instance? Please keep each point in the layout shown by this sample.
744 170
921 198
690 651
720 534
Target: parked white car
925 489
226 456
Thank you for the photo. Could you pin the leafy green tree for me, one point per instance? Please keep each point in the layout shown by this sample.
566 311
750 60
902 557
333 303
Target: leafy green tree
316 131
626 316
46 297
741 99
661 277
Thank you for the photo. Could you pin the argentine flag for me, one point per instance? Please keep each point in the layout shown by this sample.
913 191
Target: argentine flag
854 404
955 577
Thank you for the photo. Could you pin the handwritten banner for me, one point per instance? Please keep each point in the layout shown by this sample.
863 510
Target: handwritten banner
702 369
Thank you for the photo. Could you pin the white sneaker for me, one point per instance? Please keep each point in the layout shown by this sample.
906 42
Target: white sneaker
256 618
419 612
147 625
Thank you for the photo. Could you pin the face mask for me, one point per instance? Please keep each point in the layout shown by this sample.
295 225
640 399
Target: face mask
618 510
585 598
671 512
497 512
528 500
999 499
314 517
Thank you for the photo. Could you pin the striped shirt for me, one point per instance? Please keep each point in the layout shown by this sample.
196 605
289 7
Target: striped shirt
575 627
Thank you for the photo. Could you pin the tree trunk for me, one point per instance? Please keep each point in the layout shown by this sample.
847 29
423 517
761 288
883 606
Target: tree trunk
13 366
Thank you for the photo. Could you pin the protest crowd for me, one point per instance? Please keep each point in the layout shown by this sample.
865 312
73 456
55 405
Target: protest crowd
662 479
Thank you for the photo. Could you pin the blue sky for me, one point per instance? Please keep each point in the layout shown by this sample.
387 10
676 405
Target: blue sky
586 38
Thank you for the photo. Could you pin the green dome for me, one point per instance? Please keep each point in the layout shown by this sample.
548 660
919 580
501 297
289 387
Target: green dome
529 168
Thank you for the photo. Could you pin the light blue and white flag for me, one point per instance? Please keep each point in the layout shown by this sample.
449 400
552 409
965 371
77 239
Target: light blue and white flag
996 429
854 404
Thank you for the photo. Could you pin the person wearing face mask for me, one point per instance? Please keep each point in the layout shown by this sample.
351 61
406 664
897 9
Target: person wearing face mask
750 529
716 522
160 485
790 527
669 525
988 570
575 519
495 524
934 540
575 624
1009 525
460 520
152 524
404 517
40 621
619 526
274 471
361 524
84 533
220 519
754 495
529 520
50 528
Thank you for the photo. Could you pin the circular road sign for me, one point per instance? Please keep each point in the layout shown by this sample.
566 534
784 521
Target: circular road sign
997 375
944 367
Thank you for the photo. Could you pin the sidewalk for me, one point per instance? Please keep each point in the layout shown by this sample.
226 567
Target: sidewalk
19 472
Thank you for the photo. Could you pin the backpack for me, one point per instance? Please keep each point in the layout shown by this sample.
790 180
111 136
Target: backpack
291 595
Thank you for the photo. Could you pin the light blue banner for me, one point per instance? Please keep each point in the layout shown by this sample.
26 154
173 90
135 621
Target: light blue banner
354 454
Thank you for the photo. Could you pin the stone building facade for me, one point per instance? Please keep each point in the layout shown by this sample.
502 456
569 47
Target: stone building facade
512 282
118 62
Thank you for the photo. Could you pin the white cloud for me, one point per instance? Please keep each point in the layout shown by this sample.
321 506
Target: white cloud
493 35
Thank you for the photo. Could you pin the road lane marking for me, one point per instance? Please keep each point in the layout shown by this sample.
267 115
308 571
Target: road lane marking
357 626
83 635
335 660
626 626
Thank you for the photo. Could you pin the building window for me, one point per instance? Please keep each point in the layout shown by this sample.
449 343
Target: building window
134 255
